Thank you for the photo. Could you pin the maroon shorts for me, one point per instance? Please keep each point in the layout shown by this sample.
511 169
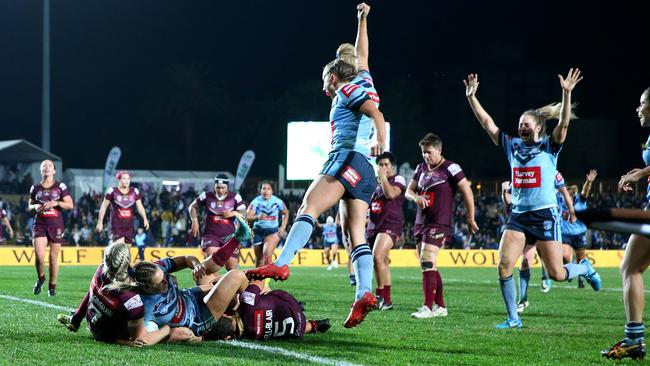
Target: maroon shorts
372 236
211 241
54 234
430 234
122 232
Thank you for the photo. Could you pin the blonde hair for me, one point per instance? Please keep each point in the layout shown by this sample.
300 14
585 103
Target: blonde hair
143 272
348 53
117 261
548 112
341 68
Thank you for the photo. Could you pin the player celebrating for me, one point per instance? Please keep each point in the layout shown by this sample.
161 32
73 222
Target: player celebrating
48 198
221 219
535 217
121 200
113 316
433 188
574 233
265 210
347 176
385 223
636 259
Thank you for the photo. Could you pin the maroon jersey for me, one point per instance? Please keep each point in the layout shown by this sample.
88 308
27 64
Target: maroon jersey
215 223
386 214
438 187
39 194
108 312
122 210
275 314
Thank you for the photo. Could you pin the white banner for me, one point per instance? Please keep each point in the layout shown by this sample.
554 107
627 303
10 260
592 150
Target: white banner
245 163
109 169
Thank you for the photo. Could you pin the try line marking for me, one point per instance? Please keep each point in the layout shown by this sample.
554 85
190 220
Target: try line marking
240 344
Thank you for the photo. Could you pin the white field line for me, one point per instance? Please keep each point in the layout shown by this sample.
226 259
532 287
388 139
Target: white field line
240 344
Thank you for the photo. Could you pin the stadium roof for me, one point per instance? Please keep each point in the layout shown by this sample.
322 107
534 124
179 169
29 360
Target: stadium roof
17 151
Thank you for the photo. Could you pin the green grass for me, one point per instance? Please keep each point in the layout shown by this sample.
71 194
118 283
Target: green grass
566 326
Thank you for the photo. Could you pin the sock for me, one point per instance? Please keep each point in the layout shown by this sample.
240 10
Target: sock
221 256
429 286
509 293
635 331
544 274
438 296
298 236
524 278
314 326
353 277
41 279
363 267
387 294
379 292
574 270
51 286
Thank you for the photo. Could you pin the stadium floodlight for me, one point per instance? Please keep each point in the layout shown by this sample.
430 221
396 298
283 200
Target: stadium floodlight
171 183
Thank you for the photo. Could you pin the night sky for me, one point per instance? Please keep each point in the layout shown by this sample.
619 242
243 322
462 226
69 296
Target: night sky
190 85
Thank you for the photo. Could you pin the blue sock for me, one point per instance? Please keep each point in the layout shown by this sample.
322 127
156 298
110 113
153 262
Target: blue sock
544 274
509 293
524 278
635 331
298 236
574 270
363 268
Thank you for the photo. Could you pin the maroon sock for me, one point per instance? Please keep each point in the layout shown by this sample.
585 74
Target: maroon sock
222 254
386 295
429 287
379 292
438 298
41 279
51 286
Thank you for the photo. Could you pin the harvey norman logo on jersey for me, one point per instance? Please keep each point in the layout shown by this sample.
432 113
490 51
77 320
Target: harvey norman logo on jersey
528 177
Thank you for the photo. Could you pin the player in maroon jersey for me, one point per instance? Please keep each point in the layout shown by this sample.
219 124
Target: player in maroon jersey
385 223
121 200
433 188
221 208
115 316
4 220
48 198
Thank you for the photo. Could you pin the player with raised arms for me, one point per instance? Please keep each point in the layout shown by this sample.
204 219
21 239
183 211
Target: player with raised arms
48 199
221 221
121 200
385 223
432 188
635 260
347 175
266 210
535 216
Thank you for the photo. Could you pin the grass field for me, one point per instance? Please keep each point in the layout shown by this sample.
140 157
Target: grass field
567 326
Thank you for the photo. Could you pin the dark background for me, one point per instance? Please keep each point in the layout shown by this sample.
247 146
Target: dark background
190 85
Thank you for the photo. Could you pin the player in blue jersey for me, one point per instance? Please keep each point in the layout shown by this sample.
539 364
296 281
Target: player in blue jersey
529 250
535 218
266 210
330 242
635 260
574 233
347 175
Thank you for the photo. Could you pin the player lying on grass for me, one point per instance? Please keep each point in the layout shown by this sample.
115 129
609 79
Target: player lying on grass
254 311
115 316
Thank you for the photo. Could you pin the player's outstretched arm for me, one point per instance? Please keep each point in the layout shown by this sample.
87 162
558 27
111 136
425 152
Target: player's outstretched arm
471 86
572 79
589 180
362 42
569 203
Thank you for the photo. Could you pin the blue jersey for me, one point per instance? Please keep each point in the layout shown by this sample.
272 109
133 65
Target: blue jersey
176 307
577 228
351 129
533 172
271 208
646 160
329 233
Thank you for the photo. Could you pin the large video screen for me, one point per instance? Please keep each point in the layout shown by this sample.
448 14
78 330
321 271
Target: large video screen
308 144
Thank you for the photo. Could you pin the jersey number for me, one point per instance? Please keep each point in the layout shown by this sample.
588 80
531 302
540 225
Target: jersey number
286 323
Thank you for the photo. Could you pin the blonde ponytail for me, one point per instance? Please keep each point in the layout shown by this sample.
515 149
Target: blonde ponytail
548 112
348 53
